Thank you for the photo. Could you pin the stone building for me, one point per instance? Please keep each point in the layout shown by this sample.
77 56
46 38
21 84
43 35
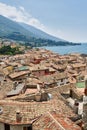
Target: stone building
85 106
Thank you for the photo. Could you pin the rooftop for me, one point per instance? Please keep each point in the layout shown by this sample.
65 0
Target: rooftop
17 90
18 74
55 121
32 110
80 84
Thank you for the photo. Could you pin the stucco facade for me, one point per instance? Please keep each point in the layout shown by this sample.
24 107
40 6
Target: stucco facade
14 127
1 126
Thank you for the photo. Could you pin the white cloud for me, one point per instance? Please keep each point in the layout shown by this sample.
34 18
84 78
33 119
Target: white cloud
20 15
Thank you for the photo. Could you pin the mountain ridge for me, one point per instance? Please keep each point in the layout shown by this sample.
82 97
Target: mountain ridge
28 34
8 26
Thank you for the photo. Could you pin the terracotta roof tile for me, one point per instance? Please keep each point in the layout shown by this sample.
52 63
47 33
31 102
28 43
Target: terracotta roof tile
17 74
31 110
54 121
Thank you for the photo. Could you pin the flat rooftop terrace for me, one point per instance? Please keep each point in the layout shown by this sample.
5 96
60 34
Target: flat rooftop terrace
80 85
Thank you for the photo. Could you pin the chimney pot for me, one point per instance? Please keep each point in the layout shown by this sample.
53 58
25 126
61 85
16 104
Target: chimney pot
18 116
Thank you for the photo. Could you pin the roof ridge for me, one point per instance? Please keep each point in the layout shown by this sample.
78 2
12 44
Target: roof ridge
56 121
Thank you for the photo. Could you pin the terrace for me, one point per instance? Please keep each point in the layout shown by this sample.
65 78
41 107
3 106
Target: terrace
80 85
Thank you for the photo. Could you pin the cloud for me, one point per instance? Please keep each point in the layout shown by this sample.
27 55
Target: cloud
20 15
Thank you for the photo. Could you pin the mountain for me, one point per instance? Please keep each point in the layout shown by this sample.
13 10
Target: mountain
11 29
39 33
27 34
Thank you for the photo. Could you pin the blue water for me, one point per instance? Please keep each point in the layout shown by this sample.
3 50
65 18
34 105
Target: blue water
82 49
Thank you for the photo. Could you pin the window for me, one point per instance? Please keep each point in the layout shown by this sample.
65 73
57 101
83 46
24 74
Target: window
61 80
7 127
28 127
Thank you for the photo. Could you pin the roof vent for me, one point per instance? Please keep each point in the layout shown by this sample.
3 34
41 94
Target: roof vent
18 116
1 110
49 96
85 91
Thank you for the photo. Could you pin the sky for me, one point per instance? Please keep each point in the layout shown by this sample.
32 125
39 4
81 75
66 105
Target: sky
66 19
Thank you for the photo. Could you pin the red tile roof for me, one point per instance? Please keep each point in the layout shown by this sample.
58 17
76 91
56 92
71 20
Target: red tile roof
31 110
54 121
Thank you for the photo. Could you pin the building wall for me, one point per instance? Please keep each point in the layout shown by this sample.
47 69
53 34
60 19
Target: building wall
81 68
66 81
59 82
16 127
1 126
85 116
39 73
19 127
11 127
74 95
62 82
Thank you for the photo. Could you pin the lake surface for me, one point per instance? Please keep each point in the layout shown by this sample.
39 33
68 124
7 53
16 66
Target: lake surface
82 49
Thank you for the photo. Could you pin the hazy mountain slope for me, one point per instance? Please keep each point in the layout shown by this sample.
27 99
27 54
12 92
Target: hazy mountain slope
39 33
28 34
14 30
9 27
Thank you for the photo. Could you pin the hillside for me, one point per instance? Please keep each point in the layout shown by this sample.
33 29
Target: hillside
27 34
11 29
39 33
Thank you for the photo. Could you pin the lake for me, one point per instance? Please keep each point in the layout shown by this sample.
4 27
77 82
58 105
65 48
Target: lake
82 49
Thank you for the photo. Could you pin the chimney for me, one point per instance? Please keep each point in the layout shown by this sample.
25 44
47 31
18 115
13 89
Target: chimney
14 85
76 105
85 91
38 87
18 116
38 96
